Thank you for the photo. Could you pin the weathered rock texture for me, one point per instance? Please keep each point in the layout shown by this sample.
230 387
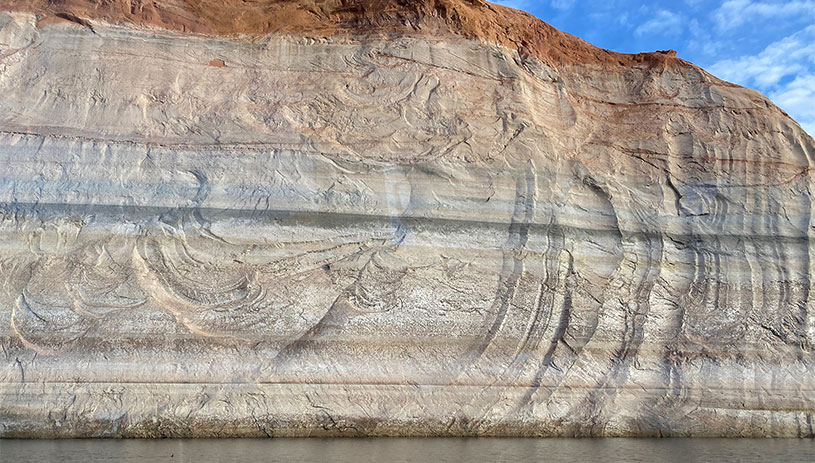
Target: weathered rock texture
368 218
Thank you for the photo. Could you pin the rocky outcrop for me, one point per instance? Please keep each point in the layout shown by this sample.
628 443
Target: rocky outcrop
389 218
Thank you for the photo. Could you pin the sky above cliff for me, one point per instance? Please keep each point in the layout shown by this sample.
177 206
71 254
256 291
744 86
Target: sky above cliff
768 45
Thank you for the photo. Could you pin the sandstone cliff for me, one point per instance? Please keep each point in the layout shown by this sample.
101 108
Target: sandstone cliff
252 218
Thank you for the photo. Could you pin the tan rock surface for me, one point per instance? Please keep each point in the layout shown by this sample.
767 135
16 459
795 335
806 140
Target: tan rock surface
356 226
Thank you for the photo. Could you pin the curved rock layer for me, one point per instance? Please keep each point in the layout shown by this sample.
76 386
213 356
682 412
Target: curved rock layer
382 230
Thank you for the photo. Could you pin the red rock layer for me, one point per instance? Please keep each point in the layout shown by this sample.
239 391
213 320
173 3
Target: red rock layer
469 18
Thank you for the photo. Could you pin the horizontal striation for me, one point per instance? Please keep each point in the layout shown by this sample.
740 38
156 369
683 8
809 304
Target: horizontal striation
411 236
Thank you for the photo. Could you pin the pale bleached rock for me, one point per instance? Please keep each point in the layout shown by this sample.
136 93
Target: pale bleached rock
404 235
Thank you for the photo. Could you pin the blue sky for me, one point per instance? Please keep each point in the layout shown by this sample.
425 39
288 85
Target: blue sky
768 45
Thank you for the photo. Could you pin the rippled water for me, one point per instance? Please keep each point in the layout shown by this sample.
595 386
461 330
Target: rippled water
409 450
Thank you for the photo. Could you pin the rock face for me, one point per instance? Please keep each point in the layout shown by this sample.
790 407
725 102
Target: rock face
389 218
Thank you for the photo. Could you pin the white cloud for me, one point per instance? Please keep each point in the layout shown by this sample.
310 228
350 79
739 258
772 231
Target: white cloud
735 13
786 57
798 99
702 40
663 23
784 71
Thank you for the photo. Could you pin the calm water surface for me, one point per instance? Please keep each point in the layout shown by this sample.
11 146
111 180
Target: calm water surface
409 450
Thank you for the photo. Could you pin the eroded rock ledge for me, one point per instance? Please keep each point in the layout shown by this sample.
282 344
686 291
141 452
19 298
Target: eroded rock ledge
361 226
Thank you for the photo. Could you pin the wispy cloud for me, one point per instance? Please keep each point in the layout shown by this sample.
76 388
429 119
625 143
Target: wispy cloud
786 57
784 71
663 22
734 13
798 99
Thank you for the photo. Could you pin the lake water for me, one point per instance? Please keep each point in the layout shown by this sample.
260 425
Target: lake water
409 450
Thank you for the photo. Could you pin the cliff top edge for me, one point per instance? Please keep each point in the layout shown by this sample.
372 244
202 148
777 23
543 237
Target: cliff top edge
475 19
